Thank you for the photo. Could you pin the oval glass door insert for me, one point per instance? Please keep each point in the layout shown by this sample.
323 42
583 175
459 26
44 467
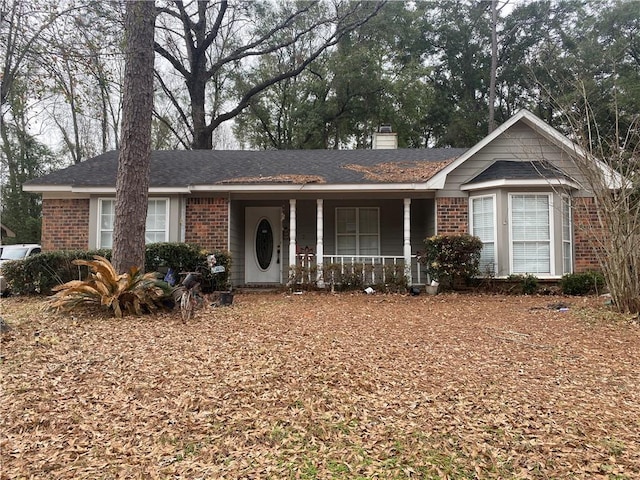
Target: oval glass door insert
264 244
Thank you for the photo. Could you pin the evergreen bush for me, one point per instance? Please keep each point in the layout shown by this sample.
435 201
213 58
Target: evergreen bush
451 257
582 283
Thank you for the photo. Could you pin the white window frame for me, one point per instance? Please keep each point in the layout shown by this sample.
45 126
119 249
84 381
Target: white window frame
551 240
566 201
493 196
357 233
100 230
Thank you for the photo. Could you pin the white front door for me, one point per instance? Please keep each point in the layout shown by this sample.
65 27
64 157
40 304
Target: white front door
263 245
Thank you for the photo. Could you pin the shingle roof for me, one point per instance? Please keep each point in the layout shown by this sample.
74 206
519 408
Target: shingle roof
518 170
181 168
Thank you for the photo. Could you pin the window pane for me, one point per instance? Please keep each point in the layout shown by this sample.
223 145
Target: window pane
531 257
487 259
346 220
483 224
154 237
531 234
483 228
346 245
106 239
368 220
107 215
368 245
156 215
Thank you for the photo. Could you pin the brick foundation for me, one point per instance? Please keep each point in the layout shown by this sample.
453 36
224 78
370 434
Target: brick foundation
586 230
452 217
206 222
65 224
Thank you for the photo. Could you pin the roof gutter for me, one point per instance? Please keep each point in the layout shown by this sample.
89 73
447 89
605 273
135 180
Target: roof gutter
233 188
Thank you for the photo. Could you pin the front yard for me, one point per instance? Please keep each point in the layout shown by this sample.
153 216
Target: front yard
324 386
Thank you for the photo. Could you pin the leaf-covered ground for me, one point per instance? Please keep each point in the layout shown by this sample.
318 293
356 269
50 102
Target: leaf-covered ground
324 386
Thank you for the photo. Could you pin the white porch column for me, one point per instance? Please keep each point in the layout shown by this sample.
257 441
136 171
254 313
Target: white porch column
319 241
407 239
292 232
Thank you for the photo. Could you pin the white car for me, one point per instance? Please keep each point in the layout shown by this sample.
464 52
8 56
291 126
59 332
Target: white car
15 252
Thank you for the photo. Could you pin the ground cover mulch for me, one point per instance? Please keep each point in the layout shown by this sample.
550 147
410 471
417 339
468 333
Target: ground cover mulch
324 386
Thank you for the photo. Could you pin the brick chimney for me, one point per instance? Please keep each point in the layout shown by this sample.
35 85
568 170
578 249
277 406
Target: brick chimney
384 138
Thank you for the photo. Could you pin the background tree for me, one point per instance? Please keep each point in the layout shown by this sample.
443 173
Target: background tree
132 183
217 44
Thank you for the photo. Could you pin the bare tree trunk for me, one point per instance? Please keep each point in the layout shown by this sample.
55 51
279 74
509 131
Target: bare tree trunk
132 183
494 64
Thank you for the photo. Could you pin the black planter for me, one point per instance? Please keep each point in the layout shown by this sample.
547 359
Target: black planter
226 298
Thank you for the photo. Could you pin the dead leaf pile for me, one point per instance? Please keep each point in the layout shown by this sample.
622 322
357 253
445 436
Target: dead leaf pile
297 179
399 171
324 386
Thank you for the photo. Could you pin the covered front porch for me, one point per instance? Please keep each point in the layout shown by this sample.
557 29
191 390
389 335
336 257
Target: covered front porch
320 240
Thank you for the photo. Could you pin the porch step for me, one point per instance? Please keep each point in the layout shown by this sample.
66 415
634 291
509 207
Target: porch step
260 289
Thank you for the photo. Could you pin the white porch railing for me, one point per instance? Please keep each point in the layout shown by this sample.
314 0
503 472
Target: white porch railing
374 269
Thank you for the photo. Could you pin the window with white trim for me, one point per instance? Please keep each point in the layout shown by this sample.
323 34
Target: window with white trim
567 248
358 231
157 224
530 233
483 226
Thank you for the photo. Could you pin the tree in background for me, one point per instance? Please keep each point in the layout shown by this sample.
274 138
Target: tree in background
211 47
132 182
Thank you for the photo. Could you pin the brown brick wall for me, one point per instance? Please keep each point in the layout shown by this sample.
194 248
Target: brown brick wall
586 230
452 215
206 222
65 224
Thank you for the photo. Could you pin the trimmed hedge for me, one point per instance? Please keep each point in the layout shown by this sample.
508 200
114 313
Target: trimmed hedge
39 273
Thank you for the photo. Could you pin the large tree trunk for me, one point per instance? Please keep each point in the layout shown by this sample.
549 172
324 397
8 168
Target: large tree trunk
132 183
494 65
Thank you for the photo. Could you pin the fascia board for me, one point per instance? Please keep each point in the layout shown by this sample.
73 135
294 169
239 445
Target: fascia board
46 188
519 183
311 187
96 190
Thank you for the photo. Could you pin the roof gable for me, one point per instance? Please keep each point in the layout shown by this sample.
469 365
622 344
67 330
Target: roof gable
541 128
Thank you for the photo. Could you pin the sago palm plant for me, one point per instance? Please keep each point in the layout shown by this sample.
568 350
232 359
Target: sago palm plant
133 292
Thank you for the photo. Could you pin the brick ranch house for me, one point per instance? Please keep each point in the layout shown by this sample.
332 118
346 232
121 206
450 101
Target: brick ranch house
518 190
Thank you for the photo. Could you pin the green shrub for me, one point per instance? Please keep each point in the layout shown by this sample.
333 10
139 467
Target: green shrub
451 257
582 283
41 273
186 257
526 284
